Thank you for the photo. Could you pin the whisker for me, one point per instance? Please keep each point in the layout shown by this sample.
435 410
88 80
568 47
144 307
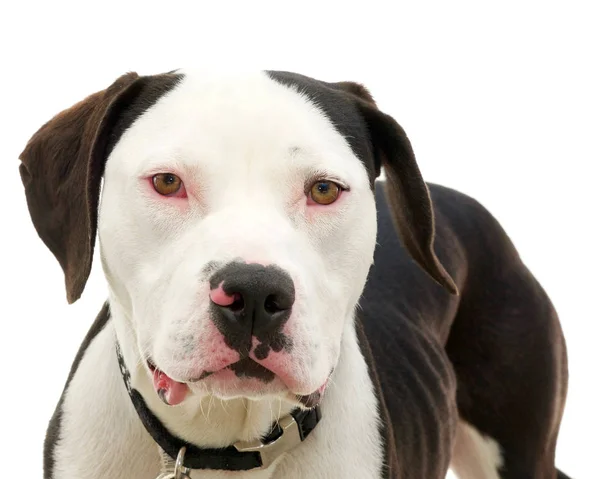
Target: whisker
210 404
202 410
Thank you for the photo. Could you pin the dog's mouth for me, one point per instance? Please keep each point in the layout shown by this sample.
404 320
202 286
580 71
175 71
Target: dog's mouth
170 391
173 392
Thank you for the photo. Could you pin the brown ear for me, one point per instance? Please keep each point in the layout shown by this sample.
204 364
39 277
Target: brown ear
61 168
407 193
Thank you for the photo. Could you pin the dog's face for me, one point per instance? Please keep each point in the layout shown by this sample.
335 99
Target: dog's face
252 166
237 221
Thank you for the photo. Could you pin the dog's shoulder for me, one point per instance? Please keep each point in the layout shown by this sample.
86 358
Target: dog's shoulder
396 284
468 220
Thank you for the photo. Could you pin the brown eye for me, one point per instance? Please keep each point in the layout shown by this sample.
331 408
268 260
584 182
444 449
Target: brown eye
166 184
324 192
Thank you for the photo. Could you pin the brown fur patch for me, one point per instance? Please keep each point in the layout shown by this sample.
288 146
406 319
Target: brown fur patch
63 163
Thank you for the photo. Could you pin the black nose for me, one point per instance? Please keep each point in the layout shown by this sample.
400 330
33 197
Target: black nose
251 299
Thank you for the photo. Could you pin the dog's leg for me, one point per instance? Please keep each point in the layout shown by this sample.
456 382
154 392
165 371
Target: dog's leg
475 456
509 357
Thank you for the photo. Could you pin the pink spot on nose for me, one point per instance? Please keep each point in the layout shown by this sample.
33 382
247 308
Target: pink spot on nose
220 297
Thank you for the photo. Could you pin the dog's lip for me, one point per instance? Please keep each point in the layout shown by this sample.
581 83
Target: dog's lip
204 375
313 399
231 367
155 369
307 400
151 365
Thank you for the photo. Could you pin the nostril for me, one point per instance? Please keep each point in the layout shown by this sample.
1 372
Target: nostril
252 297
272 306
238 303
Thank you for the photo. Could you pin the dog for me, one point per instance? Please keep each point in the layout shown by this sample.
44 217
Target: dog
274 309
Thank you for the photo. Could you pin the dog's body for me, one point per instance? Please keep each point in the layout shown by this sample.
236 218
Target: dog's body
413 379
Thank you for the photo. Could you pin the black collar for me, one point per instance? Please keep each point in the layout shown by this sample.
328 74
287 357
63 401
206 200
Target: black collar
230 458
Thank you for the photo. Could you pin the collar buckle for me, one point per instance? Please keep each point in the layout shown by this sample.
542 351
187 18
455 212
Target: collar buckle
174 469
271 451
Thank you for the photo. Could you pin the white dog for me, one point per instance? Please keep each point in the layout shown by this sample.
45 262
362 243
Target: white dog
237 228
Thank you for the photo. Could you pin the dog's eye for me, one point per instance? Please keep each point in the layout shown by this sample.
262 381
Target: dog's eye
166 184
324 192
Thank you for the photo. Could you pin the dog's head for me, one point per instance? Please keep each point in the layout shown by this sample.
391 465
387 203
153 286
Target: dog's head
237 221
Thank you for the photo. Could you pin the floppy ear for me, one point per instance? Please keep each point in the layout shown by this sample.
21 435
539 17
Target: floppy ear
407 193
61 168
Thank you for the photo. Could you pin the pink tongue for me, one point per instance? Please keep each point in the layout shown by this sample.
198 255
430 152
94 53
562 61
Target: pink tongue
169 390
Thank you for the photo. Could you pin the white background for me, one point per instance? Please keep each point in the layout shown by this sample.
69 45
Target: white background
501 100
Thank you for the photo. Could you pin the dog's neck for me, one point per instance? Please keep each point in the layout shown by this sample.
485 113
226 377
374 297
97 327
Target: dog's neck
205 421
349 408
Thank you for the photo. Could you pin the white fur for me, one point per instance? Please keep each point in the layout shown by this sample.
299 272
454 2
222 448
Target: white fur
102 436
475 456
244 146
